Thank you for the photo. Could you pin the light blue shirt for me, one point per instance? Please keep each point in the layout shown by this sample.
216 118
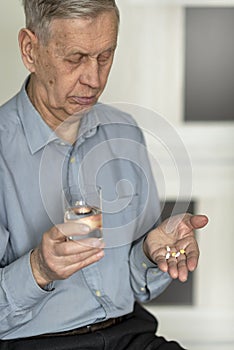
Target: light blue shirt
34 164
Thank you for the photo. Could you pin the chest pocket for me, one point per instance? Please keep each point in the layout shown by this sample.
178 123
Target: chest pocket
121 226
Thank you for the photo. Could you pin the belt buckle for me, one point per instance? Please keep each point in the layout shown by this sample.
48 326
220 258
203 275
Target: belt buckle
89 328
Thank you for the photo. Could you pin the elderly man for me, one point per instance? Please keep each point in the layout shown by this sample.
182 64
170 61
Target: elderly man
55 292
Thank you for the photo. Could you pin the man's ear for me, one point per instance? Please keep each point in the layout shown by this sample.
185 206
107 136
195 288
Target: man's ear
27 44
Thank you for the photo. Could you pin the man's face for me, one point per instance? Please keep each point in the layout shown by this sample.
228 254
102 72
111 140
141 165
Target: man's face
71 71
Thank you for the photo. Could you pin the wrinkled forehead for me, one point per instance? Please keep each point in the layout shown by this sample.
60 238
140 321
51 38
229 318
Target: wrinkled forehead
91 34
100 24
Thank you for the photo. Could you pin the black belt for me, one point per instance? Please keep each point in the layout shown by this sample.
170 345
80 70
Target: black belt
87 329
84 330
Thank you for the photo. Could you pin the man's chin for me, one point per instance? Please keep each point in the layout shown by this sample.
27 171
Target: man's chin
81 110
76 114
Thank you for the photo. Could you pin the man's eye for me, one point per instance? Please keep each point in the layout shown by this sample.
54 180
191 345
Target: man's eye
75 60
104 58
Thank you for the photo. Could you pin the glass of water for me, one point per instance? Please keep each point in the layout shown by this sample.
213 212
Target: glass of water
83 205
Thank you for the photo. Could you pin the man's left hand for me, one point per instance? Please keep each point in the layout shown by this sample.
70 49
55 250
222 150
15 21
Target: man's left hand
173 246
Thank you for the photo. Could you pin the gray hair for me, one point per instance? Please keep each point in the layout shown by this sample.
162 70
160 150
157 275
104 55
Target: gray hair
40 13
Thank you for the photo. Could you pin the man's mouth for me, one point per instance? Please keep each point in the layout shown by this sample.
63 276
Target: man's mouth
84 100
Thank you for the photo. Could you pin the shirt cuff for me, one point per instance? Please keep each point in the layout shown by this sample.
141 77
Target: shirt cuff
139 255
155 281
19 284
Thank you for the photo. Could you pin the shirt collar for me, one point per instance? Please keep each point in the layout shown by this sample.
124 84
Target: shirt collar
38 133
89 122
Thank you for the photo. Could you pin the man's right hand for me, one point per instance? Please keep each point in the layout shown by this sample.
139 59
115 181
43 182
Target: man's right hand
58 257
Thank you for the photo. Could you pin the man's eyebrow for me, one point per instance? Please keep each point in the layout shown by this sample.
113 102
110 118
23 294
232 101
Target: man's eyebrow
83 53
77 53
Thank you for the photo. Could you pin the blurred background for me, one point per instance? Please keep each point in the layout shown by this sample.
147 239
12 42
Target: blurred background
175 59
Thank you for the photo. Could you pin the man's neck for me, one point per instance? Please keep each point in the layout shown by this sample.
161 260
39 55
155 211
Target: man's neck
65 129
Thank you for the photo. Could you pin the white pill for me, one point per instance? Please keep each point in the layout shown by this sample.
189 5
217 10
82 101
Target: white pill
168 256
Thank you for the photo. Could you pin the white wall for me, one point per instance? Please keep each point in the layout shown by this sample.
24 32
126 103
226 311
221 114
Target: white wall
12 72
148 71
150 54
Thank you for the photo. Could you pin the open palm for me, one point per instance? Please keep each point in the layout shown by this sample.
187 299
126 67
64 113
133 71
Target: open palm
173 246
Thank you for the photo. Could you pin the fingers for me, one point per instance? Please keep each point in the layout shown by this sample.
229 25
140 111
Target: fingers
77 262
58 258
71 247
174 263
59 261
182 268
178 261
68 265
178 233
192 255
62 231
56 245
178 268
160 259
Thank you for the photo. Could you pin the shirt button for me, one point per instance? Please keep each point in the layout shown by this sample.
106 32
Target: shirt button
144 265
142 289
72 160
62 144
98 293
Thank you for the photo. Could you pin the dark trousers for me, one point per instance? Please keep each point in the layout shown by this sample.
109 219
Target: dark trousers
135 333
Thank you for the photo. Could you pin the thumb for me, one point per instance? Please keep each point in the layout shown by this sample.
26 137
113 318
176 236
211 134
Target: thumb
71 228
198 221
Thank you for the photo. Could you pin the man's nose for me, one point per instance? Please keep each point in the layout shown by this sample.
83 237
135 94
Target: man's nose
90 74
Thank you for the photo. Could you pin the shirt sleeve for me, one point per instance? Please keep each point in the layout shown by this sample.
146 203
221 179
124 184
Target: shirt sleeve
19 293
147 280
